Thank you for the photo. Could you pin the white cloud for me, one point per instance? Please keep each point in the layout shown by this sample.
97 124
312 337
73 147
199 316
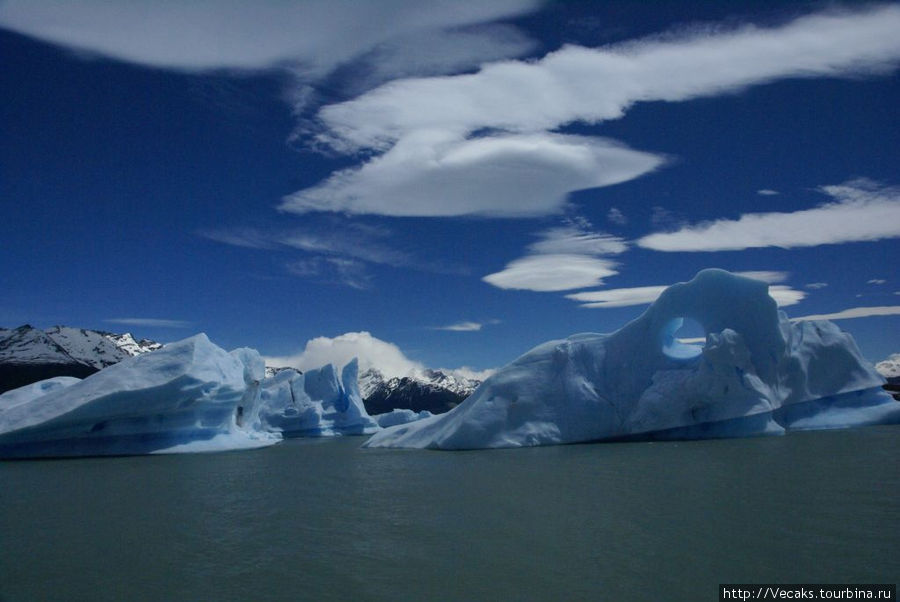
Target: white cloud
861 211
644 295
855 312
566 257
769 276
438 173
426 53
817 285
151 322
462 327
470 373
225 34
348 272
371 352
577 240
616 216
877 281
556 272
596 84
431 165
767 192
619 297
785 295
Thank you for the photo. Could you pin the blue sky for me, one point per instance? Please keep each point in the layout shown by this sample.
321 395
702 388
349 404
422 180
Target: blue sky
442 184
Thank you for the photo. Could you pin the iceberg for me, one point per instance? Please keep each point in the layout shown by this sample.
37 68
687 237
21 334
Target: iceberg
400 416
758 373
315 403
188 396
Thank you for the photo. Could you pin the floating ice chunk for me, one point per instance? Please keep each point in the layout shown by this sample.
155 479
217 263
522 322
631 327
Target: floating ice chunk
182 394
315 403
757 374
400 416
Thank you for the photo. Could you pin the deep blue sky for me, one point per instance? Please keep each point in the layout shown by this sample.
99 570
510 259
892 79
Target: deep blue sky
143 177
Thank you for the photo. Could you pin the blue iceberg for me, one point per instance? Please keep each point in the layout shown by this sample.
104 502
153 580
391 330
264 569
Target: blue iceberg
315 403
189 396
758 373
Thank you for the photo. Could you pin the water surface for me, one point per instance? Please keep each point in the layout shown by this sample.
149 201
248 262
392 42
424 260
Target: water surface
325 520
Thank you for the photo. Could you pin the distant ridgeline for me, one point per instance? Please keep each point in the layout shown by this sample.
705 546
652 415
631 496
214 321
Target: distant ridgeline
28 354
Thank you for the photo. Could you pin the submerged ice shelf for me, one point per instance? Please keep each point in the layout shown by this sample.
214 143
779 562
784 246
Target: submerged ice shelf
758 373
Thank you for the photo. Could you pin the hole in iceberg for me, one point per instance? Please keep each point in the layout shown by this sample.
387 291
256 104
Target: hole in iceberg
683 338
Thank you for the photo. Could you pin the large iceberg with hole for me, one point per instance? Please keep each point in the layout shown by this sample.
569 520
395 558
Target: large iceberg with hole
757 374
188 396
316 403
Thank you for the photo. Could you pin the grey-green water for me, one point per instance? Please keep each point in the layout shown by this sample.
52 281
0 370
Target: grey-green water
323 519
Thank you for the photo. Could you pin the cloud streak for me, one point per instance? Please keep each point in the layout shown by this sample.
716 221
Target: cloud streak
597 84
861 211
150 322
644 295
855 312
462 327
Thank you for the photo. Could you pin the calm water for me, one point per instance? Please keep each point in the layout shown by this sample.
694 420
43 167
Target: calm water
324 520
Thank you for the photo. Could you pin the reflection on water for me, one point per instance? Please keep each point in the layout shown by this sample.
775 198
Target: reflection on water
322 519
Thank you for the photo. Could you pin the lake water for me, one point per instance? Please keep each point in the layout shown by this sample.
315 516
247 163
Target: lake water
325 520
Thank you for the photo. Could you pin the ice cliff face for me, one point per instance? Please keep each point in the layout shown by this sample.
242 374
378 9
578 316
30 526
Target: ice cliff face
758 373
315 403
187 396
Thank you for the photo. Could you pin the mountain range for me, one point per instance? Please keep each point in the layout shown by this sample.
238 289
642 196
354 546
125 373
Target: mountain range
29 354
434 390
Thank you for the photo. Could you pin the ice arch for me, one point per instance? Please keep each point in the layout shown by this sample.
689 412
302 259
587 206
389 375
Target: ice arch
758 374
679 338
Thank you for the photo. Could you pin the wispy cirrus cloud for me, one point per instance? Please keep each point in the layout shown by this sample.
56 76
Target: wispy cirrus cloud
855 312
339 253
150 322
339 270
860 211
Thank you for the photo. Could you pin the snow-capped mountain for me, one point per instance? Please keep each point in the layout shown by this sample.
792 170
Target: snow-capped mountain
434 390
127 343
890 367
29 354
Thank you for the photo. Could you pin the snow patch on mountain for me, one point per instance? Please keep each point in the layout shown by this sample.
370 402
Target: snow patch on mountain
890 367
